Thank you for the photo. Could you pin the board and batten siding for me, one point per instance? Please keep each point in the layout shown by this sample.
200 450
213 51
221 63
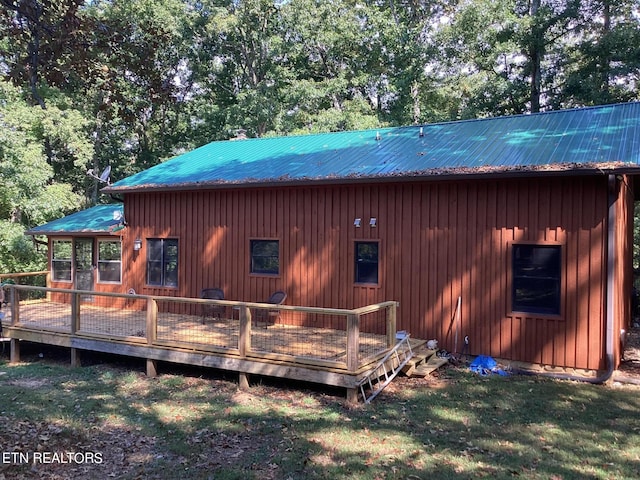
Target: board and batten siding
438 241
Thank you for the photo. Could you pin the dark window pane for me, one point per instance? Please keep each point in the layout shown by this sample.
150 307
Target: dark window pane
109 272
154 250
265 257
61 270
154 273
109 261
162 262
536 278
61 260
366 268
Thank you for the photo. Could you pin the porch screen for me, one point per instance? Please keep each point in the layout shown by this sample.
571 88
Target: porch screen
536 279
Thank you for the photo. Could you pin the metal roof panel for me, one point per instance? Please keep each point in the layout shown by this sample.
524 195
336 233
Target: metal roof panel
579 137
98 219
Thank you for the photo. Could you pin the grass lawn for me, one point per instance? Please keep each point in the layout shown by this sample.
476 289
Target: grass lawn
108 420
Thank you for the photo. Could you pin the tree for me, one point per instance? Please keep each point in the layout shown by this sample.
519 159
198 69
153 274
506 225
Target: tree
28 195
604 65
46 43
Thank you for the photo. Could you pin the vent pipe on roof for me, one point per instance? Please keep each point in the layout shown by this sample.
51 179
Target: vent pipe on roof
241 134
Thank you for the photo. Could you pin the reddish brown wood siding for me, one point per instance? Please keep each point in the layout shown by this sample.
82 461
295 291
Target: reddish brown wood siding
438 241
624 258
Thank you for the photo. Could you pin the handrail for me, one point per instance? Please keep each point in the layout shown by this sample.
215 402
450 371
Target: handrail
232 303
353 321
23 274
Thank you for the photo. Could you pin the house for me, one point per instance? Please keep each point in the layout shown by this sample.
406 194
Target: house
527 219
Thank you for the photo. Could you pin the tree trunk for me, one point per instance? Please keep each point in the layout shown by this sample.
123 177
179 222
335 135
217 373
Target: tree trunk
536 47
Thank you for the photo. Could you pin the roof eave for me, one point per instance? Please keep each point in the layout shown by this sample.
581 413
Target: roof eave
418 176
69 233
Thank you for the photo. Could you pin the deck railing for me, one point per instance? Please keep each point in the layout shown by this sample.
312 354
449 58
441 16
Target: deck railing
341 339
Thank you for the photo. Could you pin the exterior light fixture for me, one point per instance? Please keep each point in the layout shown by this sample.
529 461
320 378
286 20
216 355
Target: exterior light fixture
421 132
373 222
357 222
137 244
378 136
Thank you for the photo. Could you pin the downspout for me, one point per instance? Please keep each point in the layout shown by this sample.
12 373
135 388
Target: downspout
610 297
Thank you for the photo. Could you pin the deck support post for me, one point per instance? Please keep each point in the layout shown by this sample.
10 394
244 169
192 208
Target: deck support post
243 381
75 358
152 368
352 396
15 350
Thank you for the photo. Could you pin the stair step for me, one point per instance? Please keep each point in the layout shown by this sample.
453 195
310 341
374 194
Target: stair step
430 366
419 357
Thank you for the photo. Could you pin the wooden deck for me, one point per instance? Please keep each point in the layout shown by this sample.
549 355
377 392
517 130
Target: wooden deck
287 349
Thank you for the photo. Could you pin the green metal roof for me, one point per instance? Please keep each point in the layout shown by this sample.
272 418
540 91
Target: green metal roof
101 219
586 138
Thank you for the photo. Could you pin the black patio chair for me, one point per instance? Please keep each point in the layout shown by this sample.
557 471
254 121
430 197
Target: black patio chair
210 310
268 315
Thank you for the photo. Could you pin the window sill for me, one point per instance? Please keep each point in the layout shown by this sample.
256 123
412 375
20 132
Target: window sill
536 315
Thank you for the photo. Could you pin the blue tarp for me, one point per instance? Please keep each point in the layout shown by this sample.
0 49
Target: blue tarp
485 365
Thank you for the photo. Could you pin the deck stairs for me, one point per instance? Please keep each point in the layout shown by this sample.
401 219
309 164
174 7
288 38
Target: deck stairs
423 362
386 370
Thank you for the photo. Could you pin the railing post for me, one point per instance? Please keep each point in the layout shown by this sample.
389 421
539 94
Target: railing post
244 342
47 283
15 319
391 324
75 313
15 306
353 341
75 326
152 334
152 321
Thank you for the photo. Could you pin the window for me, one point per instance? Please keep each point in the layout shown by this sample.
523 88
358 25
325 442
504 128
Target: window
265 257
162 262
367 261
61 260
536 279
109 261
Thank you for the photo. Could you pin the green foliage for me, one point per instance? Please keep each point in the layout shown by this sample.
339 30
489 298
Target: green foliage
17 251
130 84
28 193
